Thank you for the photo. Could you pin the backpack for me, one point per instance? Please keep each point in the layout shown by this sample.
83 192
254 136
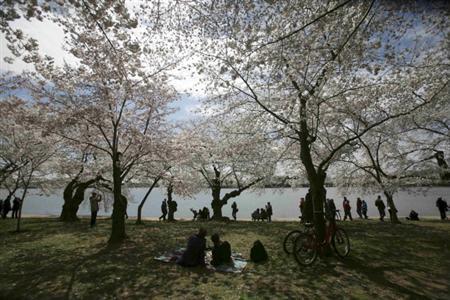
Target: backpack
258 252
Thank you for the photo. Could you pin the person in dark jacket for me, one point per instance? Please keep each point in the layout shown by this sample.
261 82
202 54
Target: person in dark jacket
381 208
16 208
221 252
163 210
234 210
443 208
269 212
347 209
1 207
359 207
364 208
194 255
413 216
6 207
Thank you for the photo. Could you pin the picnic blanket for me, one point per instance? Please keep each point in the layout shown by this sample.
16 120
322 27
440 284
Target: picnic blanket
239 263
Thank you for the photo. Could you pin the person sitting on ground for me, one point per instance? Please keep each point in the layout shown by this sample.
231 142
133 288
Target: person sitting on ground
255 215
413 216
194 255
221 252
262 214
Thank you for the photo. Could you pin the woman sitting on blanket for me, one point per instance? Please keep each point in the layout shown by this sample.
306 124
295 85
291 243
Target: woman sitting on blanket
195 250
221 252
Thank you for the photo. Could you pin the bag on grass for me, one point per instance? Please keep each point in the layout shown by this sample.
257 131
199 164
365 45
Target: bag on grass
258 252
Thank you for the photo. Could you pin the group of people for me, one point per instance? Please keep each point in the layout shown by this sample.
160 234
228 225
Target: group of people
5 207
202 214
194 255
361 209
168 209
262 214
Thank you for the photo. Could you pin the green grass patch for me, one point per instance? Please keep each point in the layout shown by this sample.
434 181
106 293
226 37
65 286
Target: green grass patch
52 260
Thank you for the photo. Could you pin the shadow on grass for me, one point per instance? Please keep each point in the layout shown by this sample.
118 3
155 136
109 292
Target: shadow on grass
54 260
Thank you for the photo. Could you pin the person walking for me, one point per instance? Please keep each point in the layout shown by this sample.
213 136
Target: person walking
234 210
16 208
347 209
94 199
443 207
269 212
359 207
381 207
364 208
163 210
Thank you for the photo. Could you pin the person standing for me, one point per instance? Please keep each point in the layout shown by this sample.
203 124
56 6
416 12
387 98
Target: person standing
1 206
94 199
364 208
269 212
234 210
301 205
381 207
359 207
443 208
347 209
330 210
16 208
163 210
172 205
6 207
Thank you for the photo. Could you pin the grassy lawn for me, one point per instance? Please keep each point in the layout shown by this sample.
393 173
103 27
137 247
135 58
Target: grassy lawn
52 260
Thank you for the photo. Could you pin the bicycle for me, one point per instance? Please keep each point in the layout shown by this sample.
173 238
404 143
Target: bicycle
306 245
289 240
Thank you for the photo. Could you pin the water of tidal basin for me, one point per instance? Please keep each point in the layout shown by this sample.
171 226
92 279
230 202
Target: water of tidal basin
284 201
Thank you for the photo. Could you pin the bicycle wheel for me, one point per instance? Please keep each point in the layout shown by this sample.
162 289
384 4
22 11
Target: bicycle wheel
305 250
341 243
289 240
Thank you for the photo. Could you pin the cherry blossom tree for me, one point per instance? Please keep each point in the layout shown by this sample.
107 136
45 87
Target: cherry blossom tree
323 73
26 144
114 99
223 158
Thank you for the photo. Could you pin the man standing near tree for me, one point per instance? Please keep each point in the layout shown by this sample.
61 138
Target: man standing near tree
381 207
94 199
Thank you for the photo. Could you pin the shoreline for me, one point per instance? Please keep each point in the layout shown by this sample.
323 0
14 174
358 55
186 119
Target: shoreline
49 216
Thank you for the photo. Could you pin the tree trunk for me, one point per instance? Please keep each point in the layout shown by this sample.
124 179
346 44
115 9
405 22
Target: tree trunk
170 208
391 208
141 205
119 207
25 190
72 201
216 203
